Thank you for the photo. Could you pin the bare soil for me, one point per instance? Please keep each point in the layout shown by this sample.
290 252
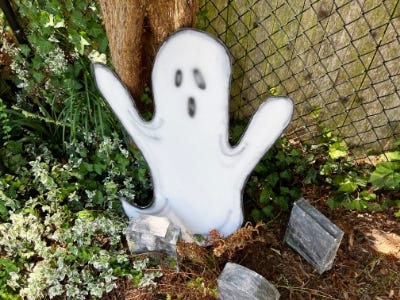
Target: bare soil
367 265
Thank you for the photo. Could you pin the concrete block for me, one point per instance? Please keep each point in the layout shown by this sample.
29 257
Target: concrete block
313 236
239 283
152 234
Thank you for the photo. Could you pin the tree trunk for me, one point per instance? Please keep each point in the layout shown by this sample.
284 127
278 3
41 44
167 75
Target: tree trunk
135 30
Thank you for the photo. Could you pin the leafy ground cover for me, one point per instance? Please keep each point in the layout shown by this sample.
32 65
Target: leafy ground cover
62 230
64 163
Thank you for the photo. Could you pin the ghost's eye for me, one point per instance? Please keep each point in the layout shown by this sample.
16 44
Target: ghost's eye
178 78
199 79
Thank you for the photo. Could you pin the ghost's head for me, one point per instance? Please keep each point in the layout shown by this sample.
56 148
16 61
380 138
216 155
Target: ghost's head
191 78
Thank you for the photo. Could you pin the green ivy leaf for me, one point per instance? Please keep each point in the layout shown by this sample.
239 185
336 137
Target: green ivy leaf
311 176
333 203
122 161
99 198
257 215
356 204
95 30
237 132
38 76
392 156
81 5
347 186
99 168
286 174
102 42
316 112
386 174
142 174
338 150
272 179
25 50
8 265
41 43
73 84
283 202
326 169
14 147
78 19
260 168
281 158
266 194
78 39
87 215
3 211
85 168
268 211
367 195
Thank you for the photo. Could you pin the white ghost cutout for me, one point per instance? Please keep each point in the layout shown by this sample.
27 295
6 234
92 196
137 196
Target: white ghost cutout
198 177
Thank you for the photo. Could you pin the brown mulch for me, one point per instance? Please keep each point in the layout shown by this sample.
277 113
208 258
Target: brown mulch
367 265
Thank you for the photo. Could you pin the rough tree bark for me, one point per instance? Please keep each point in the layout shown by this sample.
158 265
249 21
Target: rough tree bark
135 30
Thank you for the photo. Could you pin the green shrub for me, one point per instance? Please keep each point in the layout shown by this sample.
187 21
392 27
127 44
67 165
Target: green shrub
56 96
277 179
347 180
95 173
59 233
386 176
387 173
359 186
59 253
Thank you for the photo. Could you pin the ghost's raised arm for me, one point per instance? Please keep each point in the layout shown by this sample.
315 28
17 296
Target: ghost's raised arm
118 97
267 124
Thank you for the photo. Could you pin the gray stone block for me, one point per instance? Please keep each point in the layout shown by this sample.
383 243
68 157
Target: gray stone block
313 235
239 283
152 234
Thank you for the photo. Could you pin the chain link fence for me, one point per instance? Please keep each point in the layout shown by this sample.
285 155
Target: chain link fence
338 60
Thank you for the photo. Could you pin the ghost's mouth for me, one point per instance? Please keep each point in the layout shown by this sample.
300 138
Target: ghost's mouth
191 107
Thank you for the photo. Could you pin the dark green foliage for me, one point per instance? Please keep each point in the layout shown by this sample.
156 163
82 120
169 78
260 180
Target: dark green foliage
276 181
358 187
5 127
7 266
63 164
56 98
